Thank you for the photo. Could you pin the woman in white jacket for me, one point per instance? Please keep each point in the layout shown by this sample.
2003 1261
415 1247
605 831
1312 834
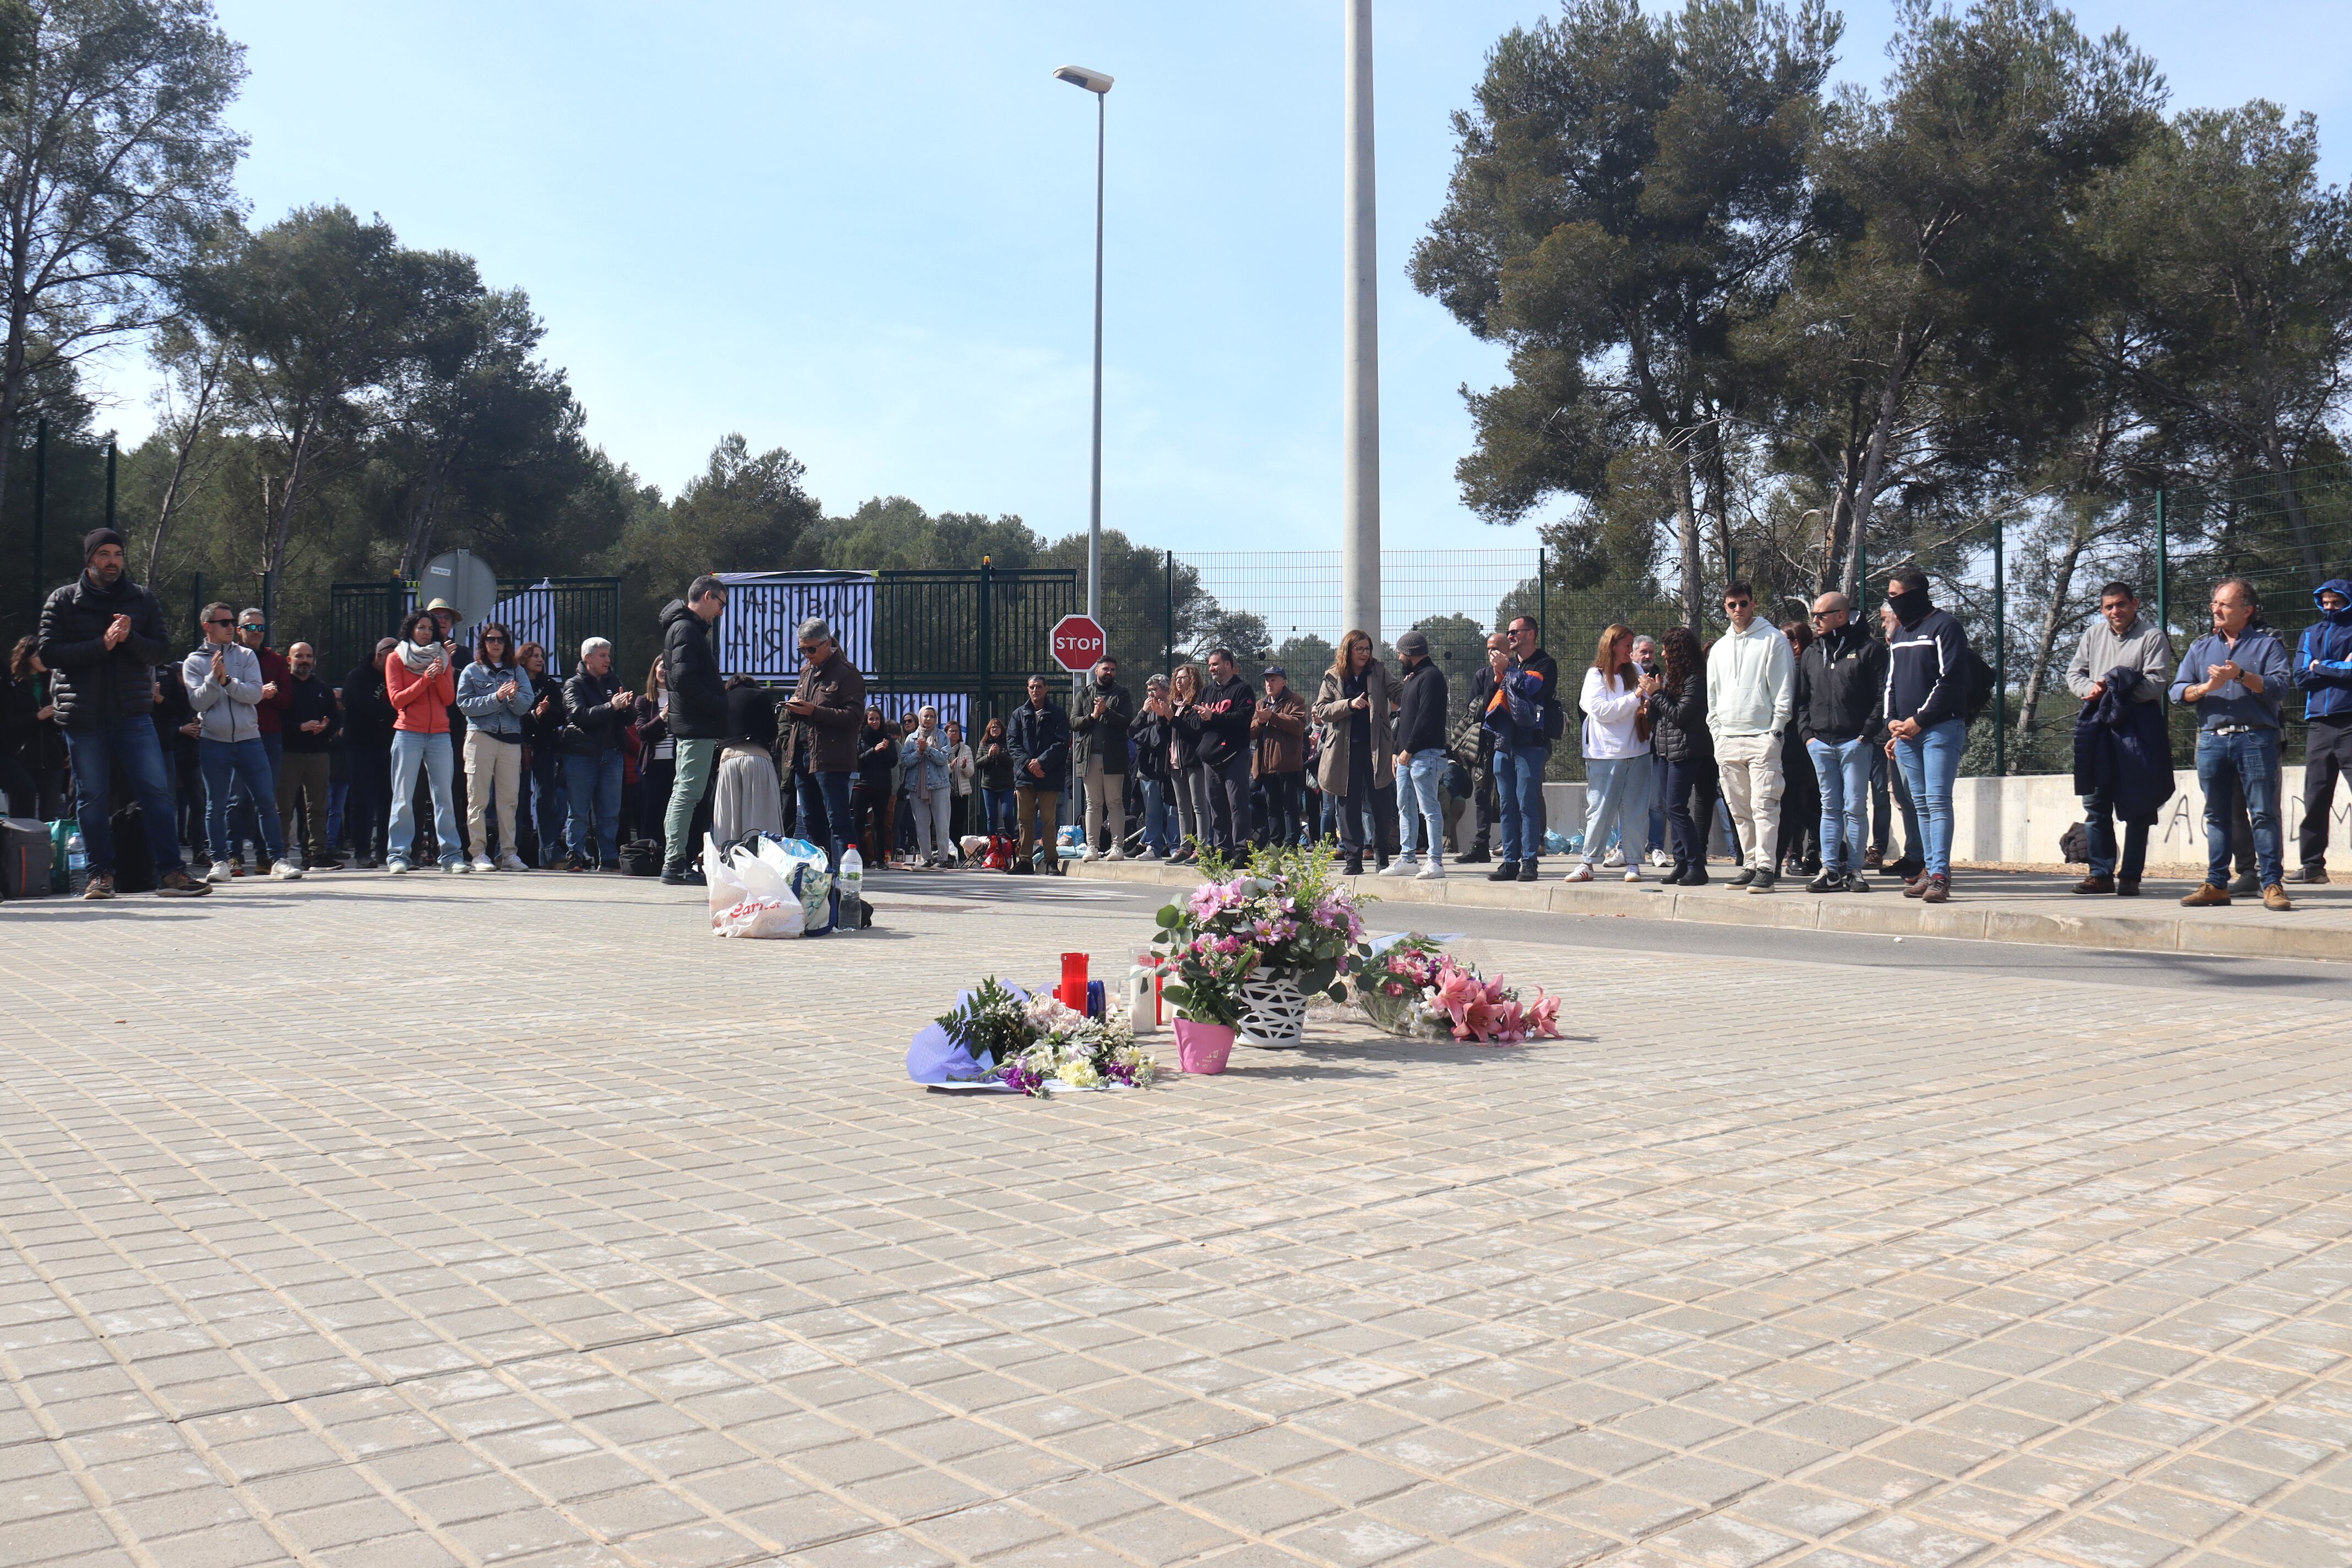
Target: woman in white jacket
1616 751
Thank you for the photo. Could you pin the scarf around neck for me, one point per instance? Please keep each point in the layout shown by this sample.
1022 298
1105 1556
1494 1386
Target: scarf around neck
418 659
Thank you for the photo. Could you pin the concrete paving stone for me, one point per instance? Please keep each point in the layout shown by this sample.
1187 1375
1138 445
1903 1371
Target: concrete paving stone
1352 1541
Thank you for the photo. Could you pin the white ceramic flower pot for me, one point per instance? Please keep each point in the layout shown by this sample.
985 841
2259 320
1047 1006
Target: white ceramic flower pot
1274 1012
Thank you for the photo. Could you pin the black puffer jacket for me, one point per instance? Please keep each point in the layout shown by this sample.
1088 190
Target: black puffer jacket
698 693
1678 723
1841 685
92 684
368 714
596 709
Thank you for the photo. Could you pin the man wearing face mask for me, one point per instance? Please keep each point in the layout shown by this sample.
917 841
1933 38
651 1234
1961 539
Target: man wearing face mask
1926 718
2323 667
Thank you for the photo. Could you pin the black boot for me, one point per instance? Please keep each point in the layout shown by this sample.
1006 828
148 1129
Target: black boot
1508 871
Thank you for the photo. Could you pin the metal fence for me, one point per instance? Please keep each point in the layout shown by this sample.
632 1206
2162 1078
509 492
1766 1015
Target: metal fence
557 613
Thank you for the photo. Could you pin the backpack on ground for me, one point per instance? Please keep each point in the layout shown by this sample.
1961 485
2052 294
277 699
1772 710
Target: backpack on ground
134 857
641 858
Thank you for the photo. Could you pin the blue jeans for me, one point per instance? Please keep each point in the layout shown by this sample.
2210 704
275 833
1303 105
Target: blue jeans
410 752
1844 769
2227 766
996 805
1616 792
1930 762
591 793
243 823
1159 835
825 812
1518 783
1418 802
129 744
228 764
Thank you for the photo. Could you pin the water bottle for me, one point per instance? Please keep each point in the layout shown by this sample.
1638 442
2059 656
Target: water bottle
850 884
76 862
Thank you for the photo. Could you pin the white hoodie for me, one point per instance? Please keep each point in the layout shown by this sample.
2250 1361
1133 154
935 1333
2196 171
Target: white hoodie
1752 682
1610 709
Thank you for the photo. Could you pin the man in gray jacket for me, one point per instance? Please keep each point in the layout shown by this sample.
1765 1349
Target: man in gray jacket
2118 639
224 679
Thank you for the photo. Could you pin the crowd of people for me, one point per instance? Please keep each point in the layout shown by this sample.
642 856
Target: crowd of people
1801 744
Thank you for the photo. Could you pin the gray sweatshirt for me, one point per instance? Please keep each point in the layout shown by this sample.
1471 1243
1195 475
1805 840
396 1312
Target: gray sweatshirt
227 712
2144 648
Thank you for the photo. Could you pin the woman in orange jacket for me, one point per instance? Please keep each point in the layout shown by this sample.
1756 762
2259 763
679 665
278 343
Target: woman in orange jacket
420 678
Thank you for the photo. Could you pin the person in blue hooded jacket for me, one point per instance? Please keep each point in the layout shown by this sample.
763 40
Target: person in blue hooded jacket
2323 669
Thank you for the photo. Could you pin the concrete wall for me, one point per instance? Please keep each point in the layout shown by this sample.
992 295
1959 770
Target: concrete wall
2018 819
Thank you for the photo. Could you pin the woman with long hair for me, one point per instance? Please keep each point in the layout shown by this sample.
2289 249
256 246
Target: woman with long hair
1798 850
993 766
1616 749
1678 733
28 733
870 798
656 753
494 696
1187 779
1359 761
745 795
422 689
541 826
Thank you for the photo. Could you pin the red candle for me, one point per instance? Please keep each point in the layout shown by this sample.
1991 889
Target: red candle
1073 990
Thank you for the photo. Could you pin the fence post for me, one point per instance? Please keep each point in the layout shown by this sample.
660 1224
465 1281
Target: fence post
1169 609
2163 605
40 509
1999 650
1543 597
987 641
109 481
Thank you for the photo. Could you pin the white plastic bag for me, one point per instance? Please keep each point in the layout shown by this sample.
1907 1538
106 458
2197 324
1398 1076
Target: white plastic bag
802 867
726 887
759 917
761 878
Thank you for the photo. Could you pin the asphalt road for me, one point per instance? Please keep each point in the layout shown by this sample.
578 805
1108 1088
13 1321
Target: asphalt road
1681 941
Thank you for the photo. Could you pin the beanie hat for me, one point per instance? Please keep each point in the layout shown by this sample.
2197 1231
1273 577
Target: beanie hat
97 539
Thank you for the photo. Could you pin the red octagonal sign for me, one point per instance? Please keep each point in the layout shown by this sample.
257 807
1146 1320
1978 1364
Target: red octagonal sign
1079 642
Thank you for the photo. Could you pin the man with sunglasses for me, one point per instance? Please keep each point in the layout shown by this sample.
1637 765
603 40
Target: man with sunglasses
1751 692
226 688
1841 685
1522 749
101 637
253 633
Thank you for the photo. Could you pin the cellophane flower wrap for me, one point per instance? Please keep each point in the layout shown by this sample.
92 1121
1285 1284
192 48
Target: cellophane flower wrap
1414 987
1286 906
1039 1044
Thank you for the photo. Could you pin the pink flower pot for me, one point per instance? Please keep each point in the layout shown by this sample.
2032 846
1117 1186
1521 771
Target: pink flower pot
1203 1047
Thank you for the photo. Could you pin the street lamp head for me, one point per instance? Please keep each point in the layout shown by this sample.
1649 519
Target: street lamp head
1078 75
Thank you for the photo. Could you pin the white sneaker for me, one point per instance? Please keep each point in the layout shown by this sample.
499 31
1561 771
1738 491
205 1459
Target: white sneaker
511 862
1583 872
220 872
396 866
1433 872
455 867
1632 873
482 863
1402 866
1661 859
283 870
1614 859
1118 853
1091 854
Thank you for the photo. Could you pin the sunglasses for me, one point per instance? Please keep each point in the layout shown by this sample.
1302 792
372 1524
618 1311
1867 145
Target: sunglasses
220 622
1736 604
501 641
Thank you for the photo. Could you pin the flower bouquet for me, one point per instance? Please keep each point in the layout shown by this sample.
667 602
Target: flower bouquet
1206 977
1029 1042
1415 988
1285 904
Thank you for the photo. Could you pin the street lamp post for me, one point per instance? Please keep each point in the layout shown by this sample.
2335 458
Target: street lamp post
1098 84
1359 352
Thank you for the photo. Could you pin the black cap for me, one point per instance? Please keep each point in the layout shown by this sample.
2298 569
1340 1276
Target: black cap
97 539
1273 670
1413 643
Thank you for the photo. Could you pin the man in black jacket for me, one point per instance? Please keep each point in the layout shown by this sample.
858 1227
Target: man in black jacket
596 709
1420 759
368 719
697 716
1840 707
1474 747
1039 740
1227 707
1523 751
1098 724
1927 681
310 720
102 636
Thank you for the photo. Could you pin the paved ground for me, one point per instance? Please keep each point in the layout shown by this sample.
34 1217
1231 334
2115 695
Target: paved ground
514 1220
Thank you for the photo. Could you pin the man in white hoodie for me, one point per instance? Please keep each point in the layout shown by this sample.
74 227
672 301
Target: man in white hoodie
1751 682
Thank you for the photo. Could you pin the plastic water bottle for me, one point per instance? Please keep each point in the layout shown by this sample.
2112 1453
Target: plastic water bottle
851 885
77 863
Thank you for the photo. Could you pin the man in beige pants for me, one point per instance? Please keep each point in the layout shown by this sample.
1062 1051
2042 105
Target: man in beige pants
1752 678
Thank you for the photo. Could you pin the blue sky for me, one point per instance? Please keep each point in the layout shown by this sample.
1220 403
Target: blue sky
863 232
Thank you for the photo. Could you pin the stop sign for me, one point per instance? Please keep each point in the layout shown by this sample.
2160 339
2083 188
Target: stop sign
1079 642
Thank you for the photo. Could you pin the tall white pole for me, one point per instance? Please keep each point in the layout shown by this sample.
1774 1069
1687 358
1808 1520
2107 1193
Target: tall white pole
1094 517
1360 422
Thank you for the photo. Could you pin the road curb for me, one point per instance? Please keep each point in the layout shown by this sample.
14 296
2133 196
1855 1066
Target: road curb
2248 933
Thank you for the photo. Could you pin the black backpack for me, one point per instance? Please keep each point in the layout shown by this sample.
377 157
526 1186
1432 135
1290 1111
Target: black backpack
641 858
1982 681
